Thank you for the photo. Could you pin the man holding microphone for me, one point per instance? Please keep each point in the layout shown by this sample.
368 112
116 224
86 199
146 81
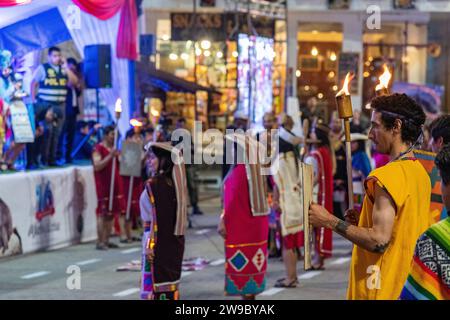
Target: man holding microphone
49 90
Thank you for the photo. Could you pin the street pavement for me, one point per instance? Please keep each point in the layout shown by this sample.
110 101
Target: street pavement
46 275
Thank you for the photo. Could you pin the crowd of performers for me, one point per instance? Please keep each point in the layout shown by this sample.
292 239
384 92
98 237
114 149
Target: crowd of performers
399 225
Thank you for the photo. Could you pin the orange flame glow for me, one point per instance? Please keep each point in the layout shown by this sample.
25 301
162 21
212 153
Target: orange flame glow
344 90
136 123
384 79
155 113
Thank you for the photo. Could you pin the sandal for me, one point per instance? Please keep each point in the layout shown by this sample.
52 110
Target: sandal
319 267
282 284
112 245
282 280
101 246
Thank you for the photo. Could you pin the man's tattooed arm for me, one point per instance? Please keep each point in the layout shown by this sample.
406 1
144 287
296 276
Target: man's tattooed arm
341 227
366 238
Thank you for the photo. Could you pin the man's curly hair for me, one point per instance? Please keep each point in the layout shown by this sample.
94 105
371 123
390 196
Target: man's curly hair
400 106
440 127
443 164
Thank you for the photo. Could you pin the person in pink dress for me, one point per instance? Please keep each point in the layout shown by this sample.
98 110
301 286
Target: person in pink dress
244 223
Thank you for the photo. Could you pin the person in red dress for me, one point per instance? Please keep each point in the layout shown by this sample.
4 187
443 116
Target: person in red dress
321 158
102 158
244 223
126 226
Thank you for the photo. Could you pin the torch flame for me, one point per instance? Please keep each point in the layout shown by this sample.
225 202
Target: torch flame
344 90
154 113
118 107
384 79
136 123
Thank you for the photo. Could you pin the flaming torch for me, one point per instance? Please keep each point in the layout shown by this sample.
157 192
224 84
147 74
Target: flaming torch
155 114
118 110
345 111
137 125
382 88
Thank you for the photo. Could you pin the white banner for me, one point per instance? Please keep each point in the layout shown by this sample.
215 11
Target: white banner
47 209
21 124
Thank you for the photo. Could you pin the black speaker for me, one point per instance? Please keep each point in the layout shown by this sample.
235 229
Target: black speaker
147 44
97 66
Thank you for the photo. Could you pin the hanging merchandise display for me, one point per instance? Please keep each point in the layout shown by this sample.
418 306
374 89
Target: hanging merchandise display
255 63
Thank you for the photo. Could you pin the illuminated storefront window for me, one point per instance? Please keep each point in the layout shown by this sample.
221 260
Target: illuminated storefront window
319 48
203 59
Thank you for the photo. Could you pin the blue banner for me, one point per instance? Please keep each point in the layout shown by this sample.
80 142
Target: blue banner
37 32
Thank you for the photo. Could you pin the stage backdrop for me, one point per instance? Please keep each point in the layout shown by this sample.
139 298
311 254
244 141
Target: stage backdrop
46 209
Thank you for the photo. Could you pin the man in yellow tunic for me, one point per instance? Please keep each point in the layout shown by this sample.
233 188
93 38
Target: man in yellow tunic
396 205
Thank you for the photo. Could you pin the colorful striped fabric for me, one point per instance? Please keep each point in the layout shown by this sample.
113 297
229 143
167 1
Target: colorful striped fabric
429 278
148 240
437 209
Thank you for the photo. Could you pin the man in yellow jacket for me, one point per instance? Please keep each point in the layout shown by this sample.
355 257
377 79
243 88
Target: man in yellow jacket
396 205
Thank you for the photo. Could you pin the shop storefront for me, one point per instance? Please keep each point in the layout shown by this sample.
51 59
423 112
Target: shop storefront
324 46
161 92
207 52
319 50
315 46
404 49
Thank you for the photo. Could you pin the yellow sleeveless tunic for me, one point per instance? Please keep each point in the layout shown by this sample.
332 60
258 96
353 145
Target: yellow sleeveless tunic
382 275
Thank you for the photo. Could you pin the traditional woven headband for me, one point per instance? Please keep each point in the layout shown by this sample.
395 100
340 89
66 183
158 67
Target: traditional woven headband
396 115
